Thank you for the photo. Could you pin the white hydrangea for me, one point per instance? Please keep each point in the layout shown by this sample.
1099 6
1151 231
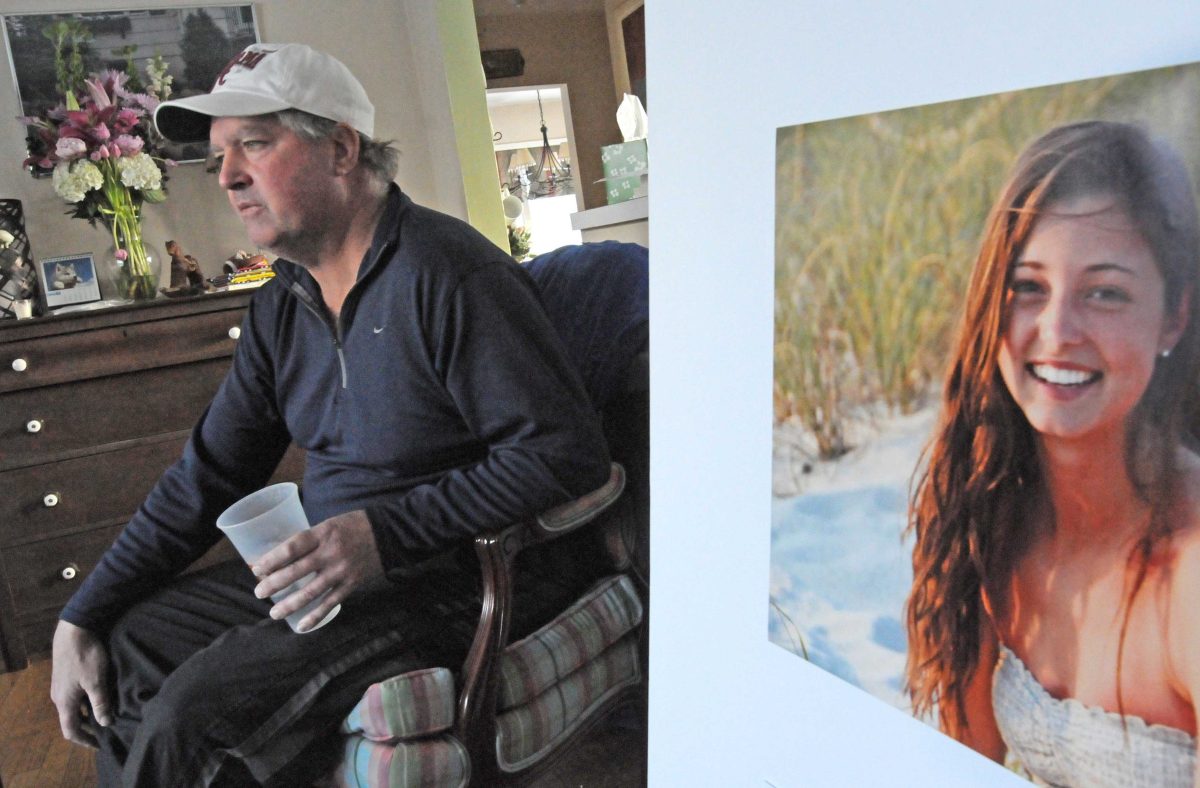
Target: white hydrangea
139 172
73 180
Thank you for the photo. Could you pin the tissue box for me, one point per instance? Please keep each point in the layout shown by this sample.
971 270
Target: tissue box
625 170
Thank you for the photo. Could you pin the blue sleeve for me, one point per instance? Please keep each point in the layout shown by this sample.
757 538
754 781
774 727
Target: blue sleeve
509 377
233 450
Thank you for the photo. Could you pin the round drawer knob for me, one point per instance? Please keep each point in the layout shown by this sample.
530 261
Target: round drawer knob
235 332
50 500
33 426
69 572
20 365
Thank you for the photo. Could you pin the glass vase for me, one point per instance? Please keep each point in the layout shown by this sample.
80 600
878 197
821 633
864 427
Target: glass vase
135 272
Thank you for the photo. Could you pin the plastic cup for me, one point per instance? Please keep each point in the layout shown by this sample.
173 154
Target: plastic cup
260 522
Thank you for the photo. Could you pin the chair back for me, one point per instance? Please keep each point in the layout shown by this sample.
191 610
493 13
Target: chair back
598 298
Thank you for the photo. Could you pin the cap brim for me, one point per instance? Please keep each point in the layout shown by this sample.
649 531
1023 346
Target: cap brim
188 119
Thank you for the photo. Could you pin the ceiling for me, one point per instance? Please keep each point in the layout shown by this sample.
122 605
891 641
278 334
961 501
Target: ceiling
504 7
506 97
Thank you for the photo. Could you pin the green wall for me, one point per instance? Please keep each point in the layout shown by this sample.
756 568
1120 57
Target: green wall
472 128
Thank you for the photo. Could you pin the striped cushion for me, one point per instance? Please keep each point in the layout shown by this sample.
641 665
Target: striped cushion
412 704
525 734
434 762
578 635
549 682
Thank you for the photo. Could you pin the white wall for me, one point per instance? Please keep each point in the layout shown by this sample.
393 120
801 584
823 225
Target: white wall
727 707
386 44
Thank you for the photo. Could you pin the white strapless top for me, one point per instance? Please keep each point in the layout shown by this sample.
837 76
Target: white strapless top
1065 743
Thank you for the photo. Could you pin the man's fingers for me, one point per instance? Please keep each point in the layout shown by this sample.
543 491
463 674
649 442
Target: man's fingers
340 552
88 735
315 587
101 710
331 600
296 547
71 721
282 578
80 664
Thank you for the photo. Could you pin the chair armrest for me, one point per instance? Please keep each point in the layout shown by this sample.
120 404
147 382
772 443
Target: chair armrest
566 518
476 719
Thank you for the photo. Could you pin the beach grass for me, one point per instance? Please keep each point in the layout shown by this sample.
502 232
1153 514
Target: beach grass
878 220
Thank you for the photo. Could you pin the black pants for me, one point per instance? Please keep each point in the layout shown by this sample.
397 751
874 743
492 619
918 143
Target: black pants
210 691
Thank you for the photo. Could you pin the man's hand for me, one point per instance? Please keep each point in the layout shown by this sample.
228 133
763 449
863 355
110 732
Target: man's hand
341 551
78 670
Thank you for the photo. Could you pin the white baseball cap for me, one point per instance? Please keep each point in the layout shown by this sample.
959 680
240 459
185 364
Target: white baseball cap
266 78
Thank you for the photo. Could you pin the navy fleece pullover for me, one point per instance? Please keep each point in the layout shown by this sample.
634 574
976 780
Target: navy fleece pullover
440 401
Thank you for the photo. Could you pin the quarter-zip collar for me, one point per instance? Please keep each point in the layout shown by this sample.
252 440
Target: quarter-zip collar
298 281
387 234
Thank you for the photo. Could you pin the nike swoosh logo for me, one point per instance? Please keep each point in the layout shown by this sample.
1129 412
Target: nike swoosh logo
378 330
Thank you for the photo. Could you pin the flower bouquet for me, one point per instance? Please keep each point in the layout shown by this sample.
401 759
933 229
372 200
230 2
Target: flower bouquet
100 144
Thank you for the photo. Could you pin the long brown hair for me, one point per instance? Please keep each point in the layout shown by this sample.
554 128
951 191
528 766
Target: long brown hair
971 497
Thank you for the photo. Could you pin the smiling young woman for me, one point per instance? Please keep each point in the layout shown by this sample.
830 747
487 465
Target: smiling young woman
1057 515
1086 319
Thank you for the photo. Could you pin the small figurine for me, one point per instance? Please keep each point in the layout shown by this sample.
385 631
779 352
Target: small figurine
186 278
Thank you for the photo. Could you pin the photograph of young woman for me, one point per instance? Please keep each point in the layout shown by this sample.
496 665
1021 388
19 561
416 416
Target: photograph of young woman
1057 513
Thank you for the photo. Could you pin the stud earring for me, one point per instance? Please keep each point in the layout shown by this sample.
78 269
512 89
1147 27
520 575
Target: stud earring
1165 353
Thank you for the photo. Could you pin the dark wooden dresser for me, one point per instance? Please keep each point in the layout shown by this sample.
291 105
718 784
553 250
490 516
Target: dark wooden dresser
93 407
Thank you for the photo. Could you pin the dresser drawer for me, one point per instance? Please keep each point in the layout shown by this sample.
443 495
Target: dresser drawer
43 575
86 490
42 590
37 425
96 488
78 355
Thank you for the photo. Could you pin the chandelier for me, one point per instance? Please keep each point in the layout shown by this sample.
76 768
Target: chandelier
552 175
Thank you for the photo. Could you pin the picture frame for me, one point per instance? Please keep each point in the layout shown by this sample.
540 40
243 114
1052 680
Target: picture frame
195 41
69 280
851 427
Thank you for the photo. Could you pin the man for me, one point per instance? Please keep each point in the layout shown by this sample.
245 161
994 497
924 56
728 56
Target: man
412 361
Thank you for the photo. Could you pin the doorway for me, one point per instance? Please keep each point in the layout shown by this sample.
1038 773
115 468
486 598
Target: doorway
534 143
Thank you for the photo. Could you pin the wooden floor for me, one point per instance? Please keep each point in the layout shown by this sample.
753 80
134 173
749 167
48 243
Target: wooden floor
34 755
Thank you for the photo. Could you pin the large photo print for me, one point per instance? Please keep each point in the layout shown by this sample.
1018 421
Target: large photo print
986 492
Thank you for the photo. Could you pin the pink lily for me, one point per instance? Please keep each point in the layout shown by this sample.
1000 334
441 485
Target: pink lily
95 89
78 118
113 81
126 119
